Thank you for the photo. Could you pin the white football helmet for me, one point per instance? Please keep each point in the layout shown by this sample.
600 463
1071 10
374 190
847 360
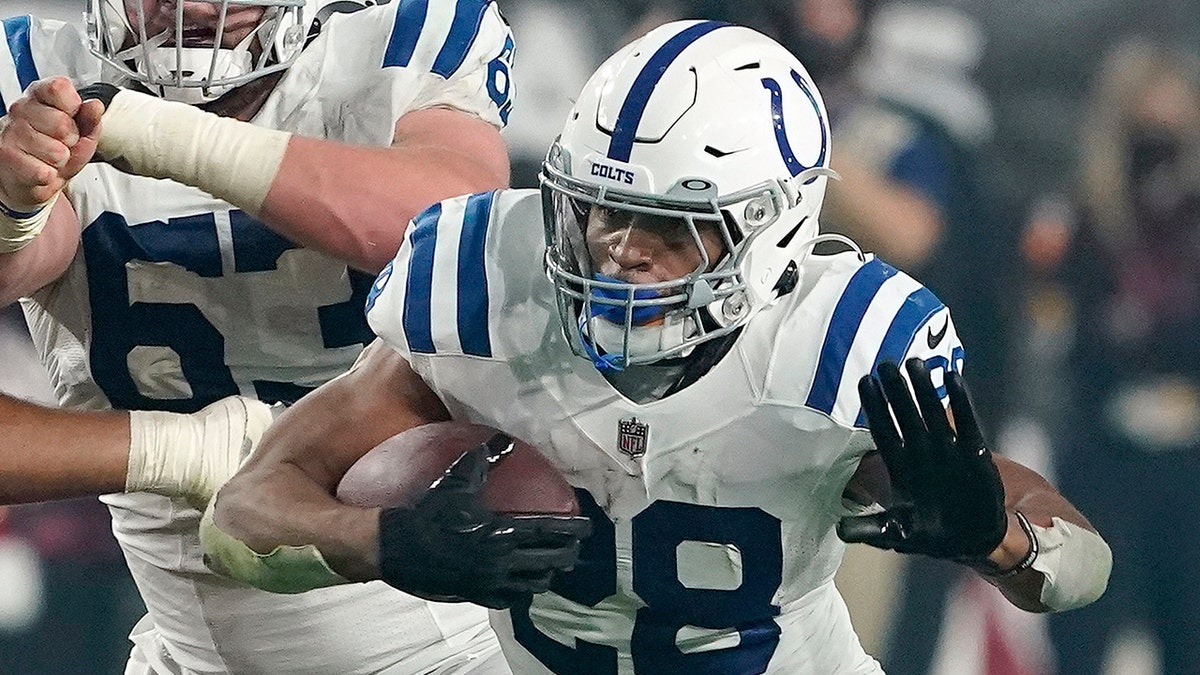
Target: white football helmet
167 66
709 124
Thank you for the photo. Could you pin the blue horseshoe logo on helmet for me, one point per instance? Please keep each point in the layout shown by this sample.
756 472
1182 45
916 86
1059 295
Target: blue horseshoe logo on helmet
781 137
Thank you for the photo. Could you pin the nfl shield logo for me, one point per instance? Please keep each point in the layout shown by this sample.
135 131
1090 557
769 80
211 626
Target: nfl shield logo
632 437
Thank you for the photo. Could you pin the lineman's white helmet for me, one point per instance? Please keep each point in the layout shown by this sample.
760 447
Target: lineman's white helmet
169 67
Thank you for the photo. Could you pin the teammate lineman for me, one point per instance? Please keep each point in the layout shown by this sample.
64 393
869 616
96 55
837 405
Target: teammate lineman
294 160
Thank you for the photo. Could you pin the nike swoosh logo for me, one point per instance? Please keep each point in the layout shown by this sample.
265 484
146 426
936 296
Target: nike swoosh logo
935 339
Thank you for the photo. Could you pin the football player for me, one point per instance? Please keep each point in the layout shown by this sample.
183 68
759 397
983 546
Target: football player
296 143
725 401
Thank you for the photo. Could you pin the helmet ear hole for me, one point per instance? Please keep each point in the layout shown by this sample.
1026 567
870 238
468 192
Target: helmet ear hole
787 281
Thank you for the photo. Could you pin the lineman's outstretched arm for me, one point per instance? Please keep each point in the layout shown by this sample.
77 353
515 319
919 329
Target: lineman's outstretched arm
354 202
351 202
51 453
48 453
898 221
951 498
277 526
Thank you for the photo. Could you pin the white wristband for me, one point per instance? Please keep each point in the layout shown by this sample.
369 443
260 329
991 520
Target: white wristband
1076 563
18 228
191 456
230 159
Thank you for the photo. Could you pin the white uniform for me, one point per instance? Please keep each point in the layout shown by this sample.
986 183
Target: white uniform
714 547
176 299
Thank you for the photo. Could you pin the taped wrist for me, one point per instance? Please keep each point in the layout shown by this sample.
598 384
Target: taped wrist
230 159
287 569
1075 562
191 456
987 568
19 227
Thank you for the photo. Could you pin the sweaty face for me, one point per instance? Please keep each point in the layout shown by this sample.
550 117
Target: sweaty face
642 249
201 20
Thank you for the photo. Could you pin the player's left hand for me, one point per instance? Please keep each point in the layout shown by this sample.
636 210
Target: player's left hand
948 499
450 547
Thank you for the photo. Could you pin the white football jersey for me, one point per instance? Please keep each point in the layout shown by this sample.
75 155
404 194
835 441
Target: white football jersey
714 508
176 299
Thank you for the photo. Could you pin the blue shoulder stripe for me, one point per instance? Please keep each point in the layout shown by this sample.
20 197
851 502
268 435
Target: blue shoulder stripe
918 307
468 17
16 33
418 290
410 19
630 116
472 277
843 327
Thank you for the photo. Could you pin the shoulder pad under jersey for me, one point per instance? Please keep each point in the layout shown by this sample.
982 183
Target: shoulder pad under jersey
865 315
452 53
462 263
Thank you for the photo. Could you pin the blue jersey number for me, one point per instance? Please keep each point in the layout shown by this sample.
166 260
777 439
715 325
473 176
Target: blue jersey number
938 362
499 83
122 259
658 532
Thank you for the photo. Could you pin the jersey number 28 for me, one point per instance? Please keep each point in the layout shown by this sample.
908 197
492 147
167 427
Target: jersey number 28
670 605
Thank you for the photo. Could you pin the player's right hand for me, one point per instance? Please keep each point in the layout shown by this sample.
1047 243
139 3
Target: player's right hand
47 137
449 547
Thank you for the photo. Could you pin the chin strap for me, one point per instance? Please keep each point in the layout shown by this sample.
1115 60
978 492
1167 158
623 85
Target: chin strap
614 314
830 236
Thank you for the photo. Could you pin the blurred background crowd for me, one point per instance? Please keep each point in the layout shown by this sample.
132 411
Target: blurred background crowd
1037 164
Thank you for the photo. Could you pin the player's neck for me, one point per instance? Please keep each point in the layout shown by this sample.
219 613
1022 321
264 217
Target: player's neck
244 102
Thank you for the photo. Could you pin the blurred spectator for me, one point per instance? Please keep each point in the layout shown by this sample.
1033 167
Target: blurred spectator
907 133
1128 451
23 600
910 129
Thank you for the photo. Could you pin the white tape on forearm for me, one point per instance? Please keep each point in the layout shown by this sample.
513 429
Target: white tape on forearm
191 456
230 159
18 230
1076 563
287 569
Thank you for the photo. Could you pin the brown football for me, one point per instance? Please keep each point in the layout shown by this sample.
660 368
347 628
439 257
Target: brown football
398 471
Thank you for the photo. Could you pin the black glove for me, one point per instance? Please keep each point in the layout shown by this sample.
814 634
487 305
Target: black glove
449 547
947 497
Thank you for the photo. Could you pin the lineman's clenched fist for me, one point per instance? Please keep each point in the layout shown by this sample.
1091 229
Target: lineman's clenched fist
47 137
